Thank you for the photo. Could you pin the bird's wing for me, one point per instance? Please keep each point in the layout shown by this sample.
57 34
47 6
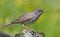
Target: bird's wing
23 18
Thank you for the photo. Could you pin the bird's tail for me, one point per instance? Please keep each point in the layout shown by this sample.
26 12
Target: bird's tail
8 25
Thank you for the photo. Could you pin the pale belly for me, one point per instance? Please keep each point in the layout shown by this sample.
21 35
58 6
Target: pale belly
35 17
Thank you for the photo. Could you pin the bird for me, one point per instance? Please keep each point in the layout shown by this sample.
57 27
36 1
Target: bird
27 18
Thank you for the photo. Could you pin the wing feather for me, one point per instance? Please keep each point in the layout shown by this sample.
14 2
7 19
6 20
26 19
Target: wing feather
23 18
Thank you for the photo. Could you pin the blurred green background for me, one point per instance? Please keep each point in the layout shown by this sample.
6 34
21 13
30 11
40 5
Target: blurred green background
49 22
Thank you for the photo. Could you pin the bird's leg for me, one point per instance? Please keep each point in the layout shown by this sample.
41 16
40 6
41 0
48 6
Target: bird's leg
26 26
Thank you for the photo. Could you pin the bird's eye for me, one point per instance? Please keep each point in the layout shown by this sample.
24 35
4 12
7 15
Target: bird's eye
39 11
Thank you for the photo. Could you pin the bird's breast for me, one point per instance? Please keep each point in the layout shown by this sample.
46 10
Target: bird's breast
35 17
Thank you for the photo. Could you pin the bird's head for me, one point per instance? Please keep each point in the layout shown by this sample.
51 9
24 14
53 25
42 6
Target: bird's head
38 11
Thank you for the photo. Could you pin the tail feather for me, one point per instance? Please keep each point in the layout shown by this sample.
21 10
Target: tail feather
8 25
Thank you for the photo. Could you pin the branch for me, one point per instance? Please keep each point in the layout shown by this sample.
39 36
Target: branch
30 33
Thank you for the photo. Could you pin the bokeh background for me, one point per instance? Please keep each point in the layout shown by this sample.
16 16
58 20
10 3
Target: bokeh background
49 22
